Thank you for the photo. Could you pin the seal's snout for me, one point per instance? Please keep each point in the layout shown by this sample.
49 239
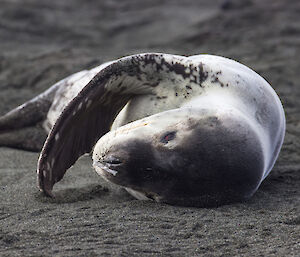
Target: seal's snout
107 165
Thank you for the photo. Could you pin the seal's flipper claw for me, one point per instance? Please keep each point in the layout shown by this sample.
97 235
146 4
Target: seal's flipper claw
44 185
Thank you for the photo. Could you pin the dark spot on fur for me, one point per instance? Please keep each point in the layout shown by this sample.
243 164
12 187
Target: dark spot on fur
203 74
161 97
215 79
180 69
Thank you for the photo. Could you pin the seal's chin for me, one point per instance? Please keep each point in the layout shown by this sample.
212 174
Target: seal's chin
107 166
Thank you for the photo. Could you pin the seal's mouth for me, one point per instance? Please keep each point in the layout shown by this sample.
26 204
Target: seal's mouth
108 164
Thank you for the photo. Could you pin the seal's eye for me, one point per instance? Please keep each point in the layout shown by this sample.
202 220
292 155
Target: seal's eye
168 137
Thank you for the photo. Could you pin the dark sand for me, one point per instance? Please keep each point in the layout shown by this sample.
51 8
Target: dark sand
41 43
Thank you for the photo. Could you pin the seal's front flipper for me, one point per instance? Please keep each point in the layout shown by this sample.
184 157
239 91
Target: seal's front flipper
92 112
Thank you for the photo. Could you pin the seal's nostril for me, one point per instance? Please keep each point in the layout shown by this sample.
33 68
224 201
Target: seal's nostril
111 160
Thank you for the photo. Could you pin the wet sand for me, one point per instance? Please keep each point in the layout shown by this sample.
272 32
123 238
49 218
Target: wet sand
43 42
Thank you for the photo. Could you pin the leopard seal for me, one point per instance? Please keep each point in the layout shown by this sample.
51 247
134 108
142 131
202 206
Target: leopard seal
196 131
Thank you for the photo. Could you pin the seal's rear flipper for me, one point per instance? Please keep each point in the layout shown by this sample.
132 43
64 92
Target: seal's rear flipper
25 115
21 128
28 138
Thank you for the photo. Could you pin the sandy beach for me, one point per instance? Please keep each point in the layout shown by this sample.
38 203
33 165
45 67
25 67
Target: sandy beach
43 42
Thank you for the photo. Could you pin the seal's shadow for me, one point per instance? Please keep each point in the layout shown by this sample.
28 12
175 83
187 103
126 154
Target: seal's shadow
76 194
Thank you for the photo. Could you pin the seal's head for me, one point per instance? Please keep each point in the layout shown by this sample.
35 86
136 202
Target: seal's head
184 156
